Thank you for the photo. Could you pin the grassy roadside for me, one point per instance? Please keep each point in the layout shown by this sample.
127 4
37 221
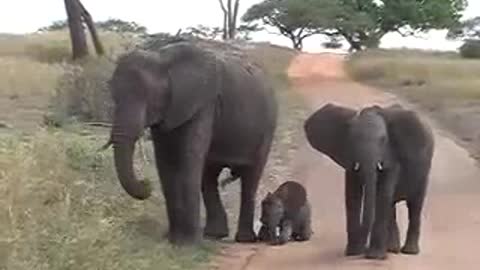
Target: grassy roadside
61 206
445 86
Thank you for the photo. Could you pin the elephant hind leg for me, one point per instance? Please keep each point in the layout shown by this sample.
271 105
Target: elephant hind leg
216 226
394 234
250 176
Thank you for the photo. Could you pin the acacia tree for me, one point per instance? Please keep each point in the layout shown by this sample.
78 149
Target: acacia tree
293 19
468 29
362 23
77 15
230 15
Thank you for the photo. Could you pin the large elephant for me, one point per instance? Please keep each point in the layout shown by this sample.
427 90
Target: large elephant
387 154
205 111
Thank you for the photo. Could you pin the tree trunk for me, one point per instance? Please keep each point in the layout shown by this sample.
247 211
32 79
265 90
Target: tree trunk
75 25
297 43
93 31
233 20
230 16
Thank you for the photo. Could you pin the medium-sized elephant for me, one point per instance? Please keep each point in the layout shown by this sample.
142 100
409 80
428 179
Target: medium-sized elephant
387 155
205 111
287 210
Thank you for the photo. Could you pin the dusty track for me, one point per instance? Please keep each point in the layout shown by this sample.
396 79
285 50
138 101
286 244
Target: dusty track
451 217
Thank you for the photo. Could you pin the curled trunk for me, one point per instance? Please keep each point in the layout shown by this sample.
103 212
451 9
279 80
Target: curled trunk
123 154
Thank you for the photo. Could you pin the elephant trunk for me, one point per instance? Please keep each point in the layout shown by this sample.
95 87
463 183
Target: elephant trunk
368 204
124 136
123 155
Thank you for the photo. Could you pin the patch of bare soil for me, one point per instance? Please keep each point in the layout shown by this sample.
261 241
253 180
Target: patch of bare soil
451 216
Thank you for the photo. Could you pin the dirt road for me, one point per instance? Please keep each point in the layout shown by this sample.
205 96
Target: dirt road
451 217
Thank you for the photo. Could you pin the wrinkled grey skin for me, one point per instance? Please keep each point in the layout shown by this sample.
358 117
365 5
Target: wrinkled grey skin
387 155
288 210
205 113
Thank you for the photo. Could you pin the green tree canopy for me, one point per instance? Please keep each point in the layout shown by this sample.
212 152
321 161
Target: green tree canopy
468 29
293 18
361 22
113 25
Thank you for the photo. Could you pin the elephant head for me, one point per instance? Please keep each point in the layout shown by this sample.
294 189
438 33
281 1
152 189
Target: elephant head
272 213
367 143
164 88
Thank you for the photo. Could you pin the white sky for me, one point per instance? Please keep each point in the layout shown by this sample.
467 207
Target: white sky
23 16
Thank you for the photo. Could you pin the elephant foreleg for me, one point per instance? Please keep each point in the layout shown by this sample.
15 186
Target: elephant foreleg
353 203
168 188
285 232
394 234
413 232
181 158
216 226
383 211
264 234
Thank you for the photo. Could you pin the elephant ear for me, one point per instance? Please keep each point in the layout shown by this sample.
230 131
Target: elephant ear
411 138
193 83
327 129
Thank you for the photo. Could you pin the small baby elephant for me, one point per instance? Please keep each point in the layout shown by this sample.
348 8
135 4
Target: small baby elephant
288 210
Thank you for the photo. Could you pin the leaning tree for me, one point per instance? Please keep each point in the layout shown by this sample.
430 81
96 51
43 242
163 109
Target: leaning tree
78 17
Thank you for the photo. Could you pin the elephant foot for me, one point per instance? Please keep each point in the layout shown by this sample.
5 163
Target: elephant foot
184 239
375 254
394 250
215 231
246 237
410 249
263 235
354 250
301 237
394 247
278 242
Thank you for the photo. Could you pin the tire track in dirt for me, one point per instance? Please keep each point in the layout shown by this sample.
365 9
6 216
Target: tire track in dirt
451 216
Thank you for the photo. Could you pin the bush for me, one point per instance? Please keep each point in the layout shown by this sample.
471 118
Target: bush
470 49
83 94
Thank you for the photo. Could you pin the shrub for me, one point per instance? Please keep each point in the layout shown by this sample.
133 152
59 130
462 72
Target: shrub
82 93
470 49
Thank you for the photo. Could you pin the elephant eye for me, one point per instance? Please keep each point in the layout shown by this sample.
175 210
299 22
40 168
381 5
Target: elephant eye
356 167
380 166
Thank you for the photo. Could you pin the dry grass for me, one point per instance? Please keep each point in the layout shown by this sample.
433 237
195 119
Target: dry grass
23 77
55 46
62 208
443 85
420 74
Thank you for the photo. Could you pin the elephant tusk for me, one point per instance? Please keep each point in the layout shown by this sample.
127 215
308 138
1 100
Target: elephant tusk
105 146
356 167
380 166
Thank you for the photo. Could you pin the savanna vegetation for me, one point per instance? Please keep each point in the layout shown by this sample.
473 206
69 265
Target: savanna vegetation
61 205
